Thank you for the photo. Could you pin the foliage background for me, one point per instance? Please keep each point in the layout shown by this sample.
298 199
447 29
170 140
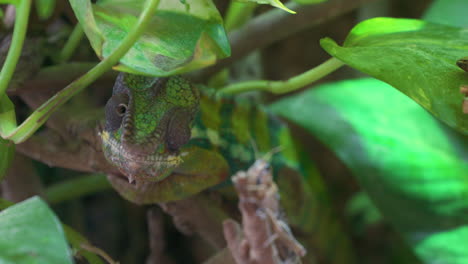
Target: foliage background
375 241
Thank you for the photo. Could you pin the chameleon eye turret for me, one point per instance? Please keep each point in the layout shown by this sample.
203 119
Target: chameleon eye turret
121 109
115 111
148 121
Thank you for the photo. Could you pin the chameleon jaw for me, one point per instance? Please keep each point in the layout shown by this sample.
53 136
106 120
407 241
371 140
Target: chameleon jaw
147 168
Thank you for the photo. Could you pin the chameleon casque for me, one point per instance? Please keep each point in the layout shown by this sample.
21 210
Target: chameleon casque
172 140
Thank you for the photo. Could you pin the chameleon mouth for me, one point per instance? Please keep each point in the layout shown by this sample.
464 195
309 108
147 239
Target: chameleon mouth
152 167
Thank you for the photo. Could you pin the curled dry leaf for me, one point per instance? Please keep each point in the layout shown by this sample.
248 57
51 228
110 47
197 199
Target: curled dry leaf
265 236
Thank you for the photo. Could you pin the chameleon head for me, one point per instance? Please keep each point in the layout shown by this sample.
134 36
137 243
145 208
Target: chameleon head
147 122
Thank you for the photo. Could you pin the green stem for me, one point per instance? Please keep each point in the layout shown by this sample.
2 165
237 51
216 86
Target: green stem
72 43
76 240
279 87
76 188
19 34
39 117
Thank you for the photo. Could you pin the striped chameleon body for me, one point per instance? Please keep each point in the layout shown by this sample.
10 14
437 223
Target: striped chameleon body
171 141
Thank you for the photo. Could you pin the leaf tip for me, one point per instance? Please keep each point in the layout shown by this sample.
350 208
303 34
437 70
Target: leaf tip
282 6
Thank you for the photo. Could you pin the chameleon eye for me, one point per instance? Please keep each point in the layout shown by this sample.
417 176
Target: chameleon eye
115 109
121 109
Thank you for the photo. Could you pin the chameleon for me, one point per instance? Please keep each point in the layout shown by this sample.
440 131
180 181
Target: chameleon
171 139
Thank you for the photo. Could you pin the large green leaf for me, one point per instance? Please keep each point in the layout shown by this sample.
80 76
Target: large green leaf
448 12
31 233
414 168
416 57
180 37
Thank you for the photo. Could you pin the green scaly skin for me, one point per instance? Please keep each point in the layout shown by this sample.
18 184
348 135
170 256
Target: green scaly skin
171 142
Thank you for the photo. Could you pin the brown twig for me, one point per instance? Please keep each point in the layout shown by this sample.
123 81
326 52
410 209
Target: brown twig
157 242
198 214
264 237
223 256
277 25
51 149
99 252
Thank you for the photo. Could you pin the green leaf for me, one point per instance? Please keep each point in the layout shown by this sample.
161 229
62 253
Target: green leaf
45 8
275 3
308 2
178 39
31 233
448 12
413 167
416 57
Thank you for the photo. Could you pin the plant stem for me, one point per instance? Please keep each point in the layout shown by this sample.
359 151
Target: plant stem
78 187
39 117
76 240
276 25
279 87
19 34
72 43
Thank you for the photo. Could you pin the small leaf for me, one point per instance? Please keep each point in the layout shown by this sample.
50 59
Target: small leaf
45 8
31 233
448 12
275 3
416 57
413 167
309 2
179 38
